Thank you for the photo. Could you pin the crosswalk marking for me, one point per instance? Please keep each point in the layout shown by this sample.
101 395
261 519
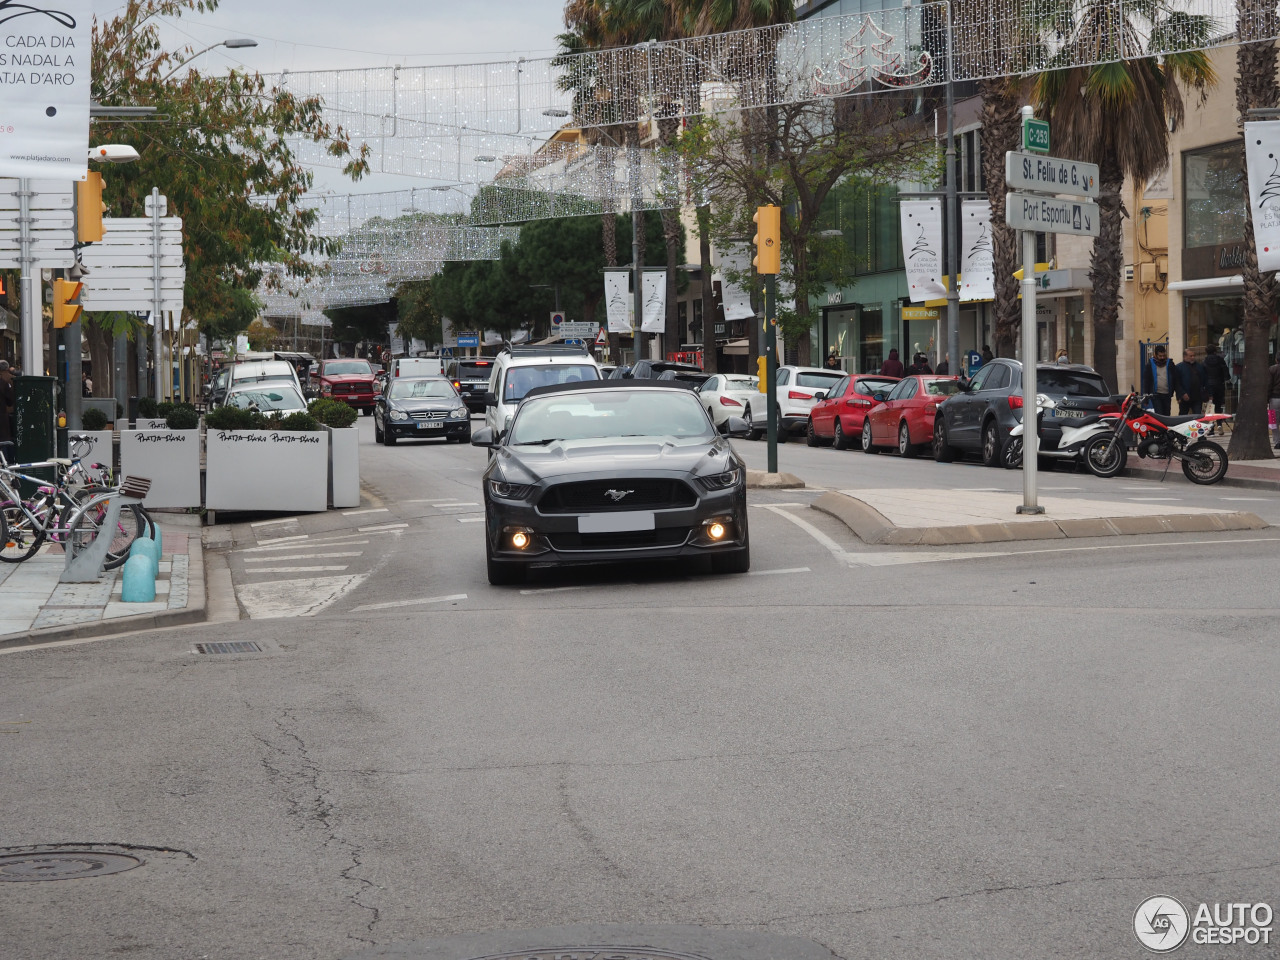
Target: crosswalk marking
408 603
385 526
304 556
270 523
356 513
471 519
281 539
298 569
301 546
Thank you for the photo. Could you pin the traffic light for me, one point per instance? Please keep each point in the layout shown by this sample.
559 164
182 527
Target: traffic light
66 302
762 371
89 209
768 239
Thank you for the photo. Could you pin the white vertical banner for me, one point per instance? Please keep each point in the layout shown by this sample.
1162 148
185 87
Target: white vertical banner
977 265
44 89
655 302
1262 157
921 222
616 293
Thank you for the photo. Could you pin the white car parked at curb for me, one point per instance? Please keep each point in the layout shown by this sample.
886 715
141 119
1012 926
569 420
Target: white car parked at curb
795 390
728 395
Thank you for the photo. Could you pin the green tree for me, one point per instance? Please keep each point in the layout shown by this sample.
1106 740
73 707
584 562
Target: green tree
1118 115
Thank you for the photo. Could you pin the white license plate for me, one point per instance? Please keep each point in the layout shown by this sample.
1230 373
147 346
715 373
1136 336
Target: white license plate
1069 414
430 426
615 522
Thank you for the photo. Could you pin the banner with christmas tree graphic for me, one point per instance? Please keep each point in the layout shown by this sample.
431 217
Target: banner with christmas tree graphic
1262 157
655 301
922 249
617 301
977 266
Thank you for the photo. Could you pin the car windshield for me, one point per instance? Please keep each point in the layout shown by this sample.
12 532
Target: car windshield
604 414
474 371
407 389
520 380
823 381
941 388
740 383
1070 383
348 366
268 398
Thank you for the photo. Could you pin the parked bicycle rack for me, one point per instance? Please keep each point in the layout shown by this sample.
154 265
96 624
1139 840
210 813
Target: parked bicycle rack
85 562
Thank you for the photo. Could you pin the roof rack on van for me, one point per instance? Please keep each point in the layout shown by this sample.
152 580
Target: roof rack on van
545 350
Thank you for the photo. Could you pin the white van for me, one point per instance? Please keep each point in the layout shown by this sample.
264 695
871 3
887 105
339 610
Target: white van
519 369
416 367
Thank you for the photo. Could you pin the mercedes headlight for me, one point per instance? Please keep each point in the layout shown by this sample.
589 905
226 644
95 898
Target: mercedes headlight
399 415
509 491
459 413
722 481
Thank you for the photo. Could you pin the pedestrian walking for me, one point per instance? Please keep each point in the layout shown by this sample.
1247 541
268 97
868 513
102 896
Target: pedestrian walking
1191 384
7 402
987 355
893 366
1158 380
1063 356
920 365
86 384
1273 402
944 368
1216 373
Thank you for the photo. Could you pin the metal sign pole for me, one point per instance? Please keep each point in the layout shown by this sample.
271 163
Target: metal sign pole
1030 420
32 329
771 353
157 344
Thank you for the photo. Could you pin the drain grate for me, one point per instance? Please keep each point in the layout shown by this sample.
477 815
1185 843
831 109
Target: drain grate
63 865
236 646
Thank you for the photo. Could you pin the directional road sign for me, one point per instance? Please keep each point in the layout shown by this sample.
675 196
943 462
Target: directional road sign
469 339
1026 211
1028 171
577 328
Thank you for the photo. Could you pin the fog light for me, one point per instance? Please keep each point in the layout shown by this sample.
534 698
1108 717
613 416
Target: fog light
519 539
716 531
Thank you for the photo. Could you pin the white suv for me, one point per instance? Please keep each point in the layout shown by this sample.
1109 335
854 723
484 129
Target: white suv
517 370
794 392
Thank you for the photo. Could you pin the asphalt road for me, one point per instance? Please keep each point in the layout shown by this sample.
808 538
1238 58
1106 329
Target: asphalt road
994 751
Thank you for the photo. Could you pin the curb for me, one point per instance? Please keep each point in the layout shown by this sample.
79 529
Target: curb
873 527
763 480
194 612
1250 481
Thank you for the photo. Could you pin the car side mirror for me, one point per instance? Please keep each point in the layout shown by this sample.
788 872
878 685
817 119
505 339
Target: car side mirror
736 427
482 437
879 397
820 395
490 400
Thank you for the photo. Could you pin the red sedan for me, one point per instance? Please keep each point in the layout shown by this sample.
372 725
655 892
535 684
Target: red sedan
905 418
837 418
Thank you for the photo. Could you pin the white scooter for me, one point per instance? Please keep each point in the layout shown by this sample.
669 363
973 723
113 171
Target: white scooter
1070 447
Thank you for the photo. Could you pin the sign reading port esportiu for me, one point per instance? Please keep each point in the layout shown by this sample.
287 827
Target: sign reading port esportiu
1027 211
44 88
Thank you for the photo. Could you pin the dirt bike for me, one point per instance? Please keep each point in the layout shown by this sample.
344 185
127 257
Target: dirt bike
1162 438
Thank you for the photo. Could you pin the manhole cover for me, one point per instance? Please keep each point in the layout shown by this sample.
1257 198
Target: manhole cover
236 646
63 865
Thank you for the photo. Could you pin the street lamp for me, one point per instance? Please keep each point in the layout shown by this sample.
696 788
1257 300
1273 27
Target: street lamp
235 43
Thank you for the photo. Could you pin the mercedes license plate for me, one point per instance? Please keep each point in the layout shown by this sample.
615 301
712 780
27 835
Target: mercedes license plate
616 522
428 425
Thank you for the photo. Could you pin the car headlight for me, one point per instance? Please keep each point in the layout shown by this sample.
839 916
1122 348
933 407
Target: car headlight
399 415
459 412
722 481
509 491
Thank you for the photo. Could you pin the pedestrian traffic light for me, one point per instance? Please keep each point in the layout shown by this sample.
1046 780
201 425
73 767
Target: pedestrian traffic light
768 239
66 302
89 209
762 371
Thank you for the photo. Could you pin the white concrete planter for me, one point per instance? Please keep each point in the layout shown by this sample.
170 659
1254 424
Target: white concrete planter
344 466
281 470
170 458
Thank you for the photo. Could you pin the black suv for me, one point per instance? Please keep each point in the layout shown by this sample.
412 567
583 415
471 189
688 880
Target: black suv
652 369
978 418
471 380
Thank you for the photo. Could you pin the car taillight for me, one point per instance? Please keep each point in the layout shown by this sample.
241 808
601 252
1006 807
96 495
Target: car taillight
859 402
729 402
1108 408
457 385
797 395
1015 401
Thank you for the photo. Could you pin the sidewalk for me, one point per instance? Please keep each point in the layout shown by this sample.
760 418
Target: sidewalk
1253 474
36 608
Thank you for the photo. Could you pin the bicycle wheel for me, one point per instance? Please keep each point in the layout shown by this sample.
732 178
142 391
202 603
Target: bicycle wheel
131 524
19 537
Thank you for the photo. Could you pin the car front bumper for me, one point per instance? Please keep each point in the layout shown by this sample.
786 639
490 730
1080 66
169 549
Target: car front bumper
409 429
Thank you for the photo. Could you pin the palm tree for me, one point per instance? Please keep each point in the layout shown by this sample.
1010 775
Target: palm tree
1257 23
1118 114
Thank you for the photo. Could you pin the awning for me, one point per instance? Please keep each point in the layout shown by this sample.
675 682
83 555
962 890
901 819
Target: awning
1232 284
737 348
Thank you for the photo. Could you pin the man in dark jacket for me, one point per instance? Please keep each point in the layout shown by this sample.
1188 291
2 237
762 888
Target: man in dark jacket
920 365
1192 379
1216 374
893 366
1159 379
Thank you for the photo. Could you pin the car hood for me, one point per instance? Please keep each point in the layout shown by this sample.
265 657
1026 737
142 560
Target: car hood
348 377
412 404
622 456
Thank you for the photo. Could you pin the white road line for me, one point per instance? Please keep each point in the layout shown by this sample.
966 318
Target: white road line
766 573
452 500
584 586
980 490
281 539
356 513
479 519
408 603
450 506
296 569
1155 499
304 556
1058 489
762 505
297 546
1246 499
385 526
336 538
268 523
837 551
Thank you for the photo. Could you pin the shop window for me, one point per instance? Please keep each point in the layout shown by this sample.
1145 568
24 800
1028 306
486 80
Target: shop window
1214 195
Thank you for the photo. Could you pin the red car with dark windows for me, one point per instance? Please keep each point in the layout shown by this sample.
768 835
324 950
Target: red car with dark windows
837 417
350 381
905 419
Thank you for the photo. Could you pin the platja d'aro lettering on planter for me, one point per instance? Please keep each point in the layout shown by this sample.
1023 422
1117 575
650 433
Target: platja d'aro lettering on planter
162 438
293 438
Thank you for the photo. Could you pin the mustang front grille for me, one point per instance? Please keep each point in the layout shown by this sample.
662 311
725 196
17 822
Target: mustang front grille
602 496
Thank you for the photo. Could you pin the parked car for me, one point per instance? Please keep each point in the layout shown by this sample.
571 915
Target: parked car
519 369
350 380
903 417
267 397
470 376
420 408
652 369
795 389
416 367
612 470
837 417
687 378
978 418
728 395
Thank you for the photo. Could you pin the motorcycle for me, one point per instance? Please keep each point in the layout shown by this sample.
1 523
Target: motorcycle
1072 443
1157 437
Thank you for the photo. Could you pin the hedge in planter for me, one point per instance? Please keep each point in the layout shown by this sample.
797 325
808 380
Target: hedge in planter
333 413
344 450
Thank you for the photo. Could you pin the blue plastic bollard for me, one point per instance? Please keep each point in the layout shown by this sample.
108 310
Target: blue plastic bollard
138 582
142 547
